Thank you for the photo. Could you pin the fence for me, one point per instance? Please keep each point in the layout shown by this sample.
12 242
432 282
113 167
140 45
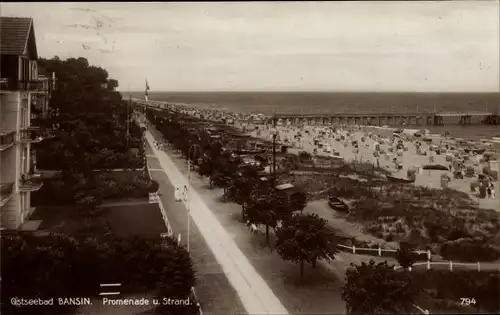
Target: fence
380 250
450 264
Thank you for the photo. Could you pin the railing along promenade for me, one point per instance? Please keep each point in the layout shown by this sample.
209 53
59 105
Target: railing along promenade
367 118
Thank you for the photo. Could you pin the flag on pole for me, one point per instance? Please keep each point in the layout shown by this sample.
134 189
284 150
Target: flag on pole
146 91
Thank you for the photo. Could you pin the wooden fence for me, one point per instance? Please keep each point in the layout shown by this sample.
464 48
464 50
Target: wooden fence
450 264
380 250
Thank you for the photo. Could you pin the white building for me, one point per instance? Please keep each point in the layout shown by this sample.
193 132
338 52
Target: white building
23 96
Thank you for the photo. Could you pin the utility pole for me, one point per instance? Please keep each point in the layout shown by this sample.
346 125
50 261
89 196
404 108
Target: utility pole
128 113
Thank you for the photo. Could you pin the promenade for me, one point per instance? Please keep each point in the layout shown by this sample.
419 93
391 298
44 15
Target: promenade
213 290
255 294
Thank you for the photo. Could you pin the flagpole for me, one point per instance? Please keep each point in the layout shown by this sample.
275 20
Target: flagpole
146 93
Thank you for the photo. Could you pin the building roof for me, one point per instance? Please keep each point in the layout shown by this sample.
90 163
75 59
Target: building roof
14 35
284 186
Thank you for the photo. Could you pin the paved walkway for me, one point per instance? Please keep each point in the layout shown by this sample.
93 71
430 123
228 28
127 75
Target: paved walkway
254 292
213 290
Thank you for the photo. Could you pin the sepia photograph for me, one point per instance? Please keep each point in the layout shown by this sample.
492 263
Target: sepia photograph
250 158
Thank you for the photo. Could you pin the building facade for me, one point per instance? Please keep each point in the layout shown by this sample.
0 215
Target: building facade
24 97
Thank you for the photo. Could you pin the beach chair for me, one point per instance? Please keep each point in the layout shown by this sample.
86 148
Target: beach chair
469 172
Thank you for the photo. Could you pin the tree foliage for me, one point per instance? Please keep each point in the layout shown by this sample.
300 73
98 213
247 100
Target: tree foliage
88 118
58 265
298 201
405 255
304 238
267 209
378 289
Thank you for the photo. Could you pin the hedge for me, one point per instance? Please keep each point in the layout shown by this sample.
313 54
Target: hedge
466 249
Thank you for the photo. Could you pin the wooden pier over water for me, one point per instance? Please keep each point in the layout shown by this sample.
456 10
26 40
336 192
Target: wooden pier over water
372 118
393 118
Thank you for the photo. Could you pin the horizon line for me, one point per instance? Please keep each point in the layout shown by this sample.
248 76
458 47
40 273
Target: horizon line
311 91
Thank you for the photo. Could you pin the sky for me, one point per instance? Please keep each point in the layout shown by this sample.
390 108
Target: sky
416 46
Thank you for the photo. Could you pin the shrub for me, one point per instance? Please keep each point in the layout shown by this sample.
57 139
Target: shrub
469 250
153 186
305 156
452 285
69 266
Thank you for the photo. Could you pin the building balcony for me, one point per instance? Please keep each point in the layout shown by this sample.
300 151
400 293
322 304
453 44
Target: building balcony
13 84
7 139
30 182
6 190
31 134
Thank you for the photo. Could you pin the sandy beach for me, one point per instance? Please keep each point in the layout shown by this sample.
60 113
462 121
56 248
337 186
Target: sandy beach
358 143
367 138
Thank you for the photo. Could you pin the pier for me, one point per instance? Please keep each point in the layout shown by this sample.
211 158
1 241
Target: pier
372 118
380 119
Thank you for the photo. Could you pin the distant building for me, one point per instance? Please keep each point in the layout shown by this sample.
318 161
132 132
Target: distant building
23 96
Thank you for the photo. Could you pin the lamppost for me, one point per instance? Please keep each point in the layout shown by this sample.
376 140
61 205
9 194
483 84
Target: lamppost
187 192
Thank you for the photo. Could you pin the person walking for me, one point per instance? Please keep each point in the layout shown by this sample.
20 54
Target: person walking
488 191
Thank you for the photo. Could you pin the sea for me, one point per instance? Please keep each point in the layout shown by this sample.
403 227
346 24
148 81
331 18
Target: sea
270 103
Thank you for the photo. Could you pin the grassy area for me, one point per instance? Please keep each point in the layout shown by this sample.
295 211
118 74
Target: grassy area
125 221
121 176
67 219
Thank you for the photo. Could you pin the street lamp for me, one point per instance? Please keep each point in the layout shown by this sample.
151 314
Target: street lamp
187 192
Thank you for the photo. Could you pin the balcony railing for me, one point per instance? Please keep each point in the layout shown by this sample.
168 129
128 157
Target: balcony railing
13 84
30 182
7 139
31 134
6 190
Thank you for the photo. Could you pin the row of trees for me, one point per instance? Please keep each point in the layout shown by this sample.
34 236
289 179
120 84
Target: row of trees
301 238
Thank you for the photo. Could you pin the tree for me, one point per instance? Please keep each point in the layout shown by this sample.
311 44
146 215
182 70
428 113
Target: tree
242 185
405 255
304 238
298 201
378 289
267 209
88 121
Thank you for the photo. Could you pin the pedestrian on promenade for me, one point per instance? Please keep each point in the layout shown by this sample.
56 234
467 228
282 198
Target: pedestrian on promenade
177 195
185 194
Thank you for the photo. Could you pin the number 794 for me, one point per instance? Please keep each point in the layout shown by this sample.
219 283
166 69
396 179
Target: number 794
467 301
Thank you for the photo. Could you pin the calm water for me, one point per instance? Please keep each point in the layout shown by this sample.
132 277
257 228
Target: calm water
332 102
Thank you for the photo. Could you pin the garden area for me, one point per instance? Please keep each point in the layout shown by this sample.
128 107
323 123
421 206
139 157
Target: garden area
88 121
445 221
